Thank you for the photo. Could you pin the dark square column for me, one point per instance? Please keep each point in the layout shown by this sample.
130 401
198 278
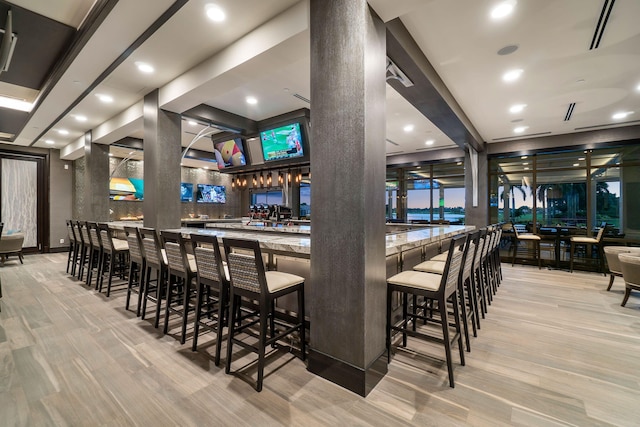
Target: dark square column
348 220
162 154
96 181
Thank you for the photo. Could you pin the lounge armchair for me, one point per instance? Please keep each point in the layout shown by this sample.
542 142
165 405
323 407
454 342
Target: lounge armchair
11 244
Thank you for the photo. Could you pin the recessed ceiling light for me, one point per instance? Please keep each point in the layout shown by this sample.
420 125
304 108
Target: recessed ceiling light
503 9
251 100
104 98
520 129
144 67
459 163
80 118
408 128
49 141
215 12
526 169
580 158
192 122
517 108
576 164
621 115
63 132
525 163
429 142
512 75
638 88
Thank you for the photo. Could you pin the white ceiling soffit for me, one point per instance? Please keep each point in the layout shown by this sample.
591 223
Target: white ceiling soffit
70 12
388 10
166 51
127 21
408 130
552 39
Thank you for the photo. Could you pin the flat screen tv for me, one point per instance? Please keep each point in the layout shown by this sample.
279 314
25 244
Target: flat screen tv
186 192
281 143
211 194
229 153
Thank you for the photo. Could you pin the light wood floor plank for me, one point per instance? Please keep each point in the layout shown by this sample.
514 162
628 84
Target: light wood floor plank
556 349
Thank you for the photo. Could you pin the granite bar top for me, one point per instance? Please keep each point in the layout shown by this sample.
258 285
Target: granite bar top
301 245
264 226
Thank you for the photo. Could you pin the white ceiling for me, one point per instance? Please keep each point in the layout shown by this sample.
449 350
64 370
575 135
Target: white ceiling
262 50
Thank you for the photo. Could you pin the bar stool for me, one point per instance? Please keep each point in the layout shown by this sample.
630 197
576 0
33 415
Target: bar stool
137 266
438 288
76 256
518 237
85 248
476 274
212 278
182 273
250 280
116 252
156 260
95 254
73 247
587 241
464 283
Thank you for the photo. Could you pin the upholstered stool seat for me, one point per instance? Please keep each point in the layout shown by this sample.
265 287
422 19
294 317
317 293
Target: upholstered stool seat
520 237
588 241
440 257
436 267
416 279
630 265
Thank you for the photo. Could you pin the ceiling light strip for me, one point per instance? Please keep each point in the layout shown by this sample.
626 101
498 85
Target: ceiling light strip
157 24
602 23
567 116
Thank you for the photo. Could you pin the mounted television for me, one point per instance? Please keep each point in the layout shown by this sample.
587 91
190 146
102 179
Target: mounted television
207 193
282 143
230 153
186 192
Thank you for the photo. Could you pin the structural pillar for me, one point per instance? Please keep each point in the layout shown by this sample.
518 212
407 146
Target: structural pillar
96 181
162 154
476 215
348 296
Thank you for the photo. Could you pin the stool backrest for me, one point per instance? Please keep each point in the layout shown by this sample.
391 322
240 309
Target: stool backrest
135 246
70 231
206 250
470 255
105 237
93 233
451 271
152 247
246 268
600 234
482 241
174 246
84 231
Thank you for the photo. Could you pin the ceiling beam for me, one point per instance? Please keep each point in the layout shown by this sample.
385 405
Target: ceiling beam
429 94
222 119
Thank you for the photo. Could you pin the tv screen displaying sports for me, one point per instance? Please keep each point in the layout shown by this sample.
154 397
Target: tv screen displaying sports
229 153
211 194
284 142
186 192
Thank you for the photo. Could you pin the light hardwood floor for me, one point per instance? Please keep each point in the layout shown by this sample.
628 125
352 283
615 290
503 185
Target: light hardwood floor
555 349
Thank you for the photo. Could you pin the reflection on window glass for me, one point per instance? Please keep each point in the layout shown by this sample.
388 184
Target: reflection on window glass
266 198
305 200
418 205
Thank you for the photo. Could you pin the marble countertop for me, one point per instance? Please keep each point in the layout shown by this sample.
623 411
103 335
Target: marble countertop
395 243
263 226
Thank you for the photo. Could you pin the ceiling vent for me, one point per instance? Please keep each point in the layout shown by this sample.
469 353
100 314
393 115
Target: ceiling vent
391 142
302 98
8 44
602 23
567 116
